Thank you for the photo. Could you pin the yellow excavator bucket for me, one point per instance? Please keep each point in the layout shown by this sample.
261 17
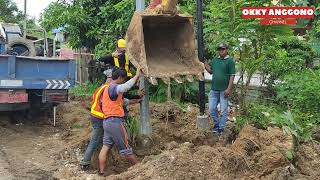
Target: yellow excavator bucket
169 6
164 45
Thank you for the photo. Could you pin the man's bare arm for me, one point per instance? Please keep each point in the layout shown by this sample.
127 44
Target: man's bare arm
230 86
208 68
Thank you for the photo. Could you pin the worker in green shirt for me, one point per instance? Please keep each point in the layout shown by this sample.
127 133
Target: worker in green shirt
223 72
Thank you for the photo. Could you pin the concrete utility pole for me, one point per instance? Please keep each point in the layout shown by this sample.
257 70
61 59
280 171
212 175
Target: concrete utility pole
145 125
25 20
202 119
139 5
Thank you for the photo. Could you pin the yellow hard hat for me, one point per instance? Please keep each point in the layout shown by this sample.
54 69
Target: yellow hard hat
121 43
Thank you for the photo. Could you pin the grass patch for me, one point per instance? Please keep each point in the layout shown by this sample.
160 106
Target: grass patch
86 89
133 126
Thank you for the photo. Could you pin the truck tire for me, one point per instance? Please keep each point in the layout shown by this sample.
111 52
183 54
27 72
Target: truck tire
21 47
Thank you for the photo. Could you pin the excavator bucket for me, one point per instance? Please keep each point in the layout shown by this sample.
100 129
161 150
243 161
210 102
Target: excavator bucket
164 46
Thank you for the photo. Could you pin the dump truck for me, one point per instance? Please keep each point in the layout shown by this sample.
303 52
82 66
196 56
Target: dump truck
162 42
34 82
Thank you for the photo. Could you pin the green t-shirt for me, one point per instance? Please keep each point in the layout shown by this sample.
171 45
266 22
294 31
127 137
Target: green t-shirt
222 69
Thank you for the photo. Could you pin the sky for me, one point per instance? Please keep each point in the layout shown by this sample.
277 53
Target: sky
34 7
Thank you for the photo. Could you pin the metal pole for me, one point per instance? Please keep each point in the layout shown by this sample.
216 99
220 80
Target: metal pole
25 20
200 55
46 44
54 47
145 125
54 115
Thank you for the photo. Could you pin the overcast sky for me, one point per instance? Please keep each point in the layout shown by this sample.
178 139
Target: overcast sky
34 7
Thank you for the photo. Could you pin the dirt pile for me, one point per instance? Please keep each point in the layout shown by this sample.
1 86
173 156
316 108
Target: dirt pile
308 159
179 151
75 118
188 162
171 122
254 154
264 151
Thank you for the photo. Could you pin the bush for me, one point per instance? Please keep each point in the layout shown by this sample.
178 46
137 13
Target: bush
300 91
288 55
290 125
259 115
292 122
186 92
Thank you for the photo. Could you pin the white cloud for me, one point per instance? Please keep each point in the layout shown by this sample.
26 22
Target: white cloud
34 7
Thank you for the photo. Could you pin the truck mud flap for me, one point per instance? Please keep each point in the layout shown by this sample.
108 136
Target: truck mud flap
55 96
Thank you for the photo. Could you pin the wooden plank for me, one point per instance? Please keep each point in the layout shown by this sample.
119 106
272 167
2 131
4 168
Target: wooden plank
85 68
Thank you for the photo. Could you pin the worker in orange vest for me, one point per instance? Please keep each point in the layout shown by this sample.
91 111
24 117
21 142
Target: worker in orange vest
97 117
113 124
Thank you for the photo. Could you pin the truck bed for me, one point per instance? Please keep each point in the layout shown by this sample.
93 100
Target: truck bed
17 72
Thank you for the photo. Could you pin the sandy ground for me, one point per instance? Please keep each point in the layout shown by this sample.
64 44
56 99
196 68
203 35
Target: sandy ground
28 151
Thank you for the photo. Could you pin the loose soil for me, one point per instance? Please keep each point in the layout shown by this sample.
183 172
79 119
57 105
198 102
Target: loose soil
27 150
176 150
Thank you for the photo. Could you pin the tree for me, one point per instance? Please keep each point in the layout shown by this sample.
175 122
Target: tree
94 24
9 12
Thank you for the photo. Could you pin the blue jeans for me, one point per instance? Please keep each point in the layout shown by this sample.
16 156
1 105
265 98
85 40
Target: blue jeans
96 138
214 98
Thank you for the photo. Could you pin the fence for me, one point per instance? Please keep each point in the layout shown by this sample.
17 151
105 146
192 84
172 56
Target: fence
88 70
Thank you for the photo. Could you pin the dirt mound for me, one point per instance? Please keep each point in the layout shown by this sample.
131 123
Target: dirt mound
255 154
252 139
74 116
308 159
171 122
188 162
179 151
265 151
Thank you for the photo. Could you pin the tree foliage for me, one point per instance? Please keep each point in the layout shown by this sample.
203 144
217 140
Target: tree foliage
96 24
273 51
9 12
301 90
92 24
286 56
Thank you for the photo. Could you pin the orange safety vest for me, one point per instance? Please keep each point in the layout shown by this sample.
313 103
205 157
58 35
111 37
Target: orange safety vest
126 67
112 108
96 110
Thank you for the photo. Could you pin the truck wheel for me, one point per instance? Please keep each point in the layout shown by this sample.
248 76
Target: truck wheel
21 47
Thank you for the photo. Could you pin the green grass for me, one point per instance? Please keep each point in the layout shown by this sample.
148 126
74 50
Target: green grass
133 126
86 89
